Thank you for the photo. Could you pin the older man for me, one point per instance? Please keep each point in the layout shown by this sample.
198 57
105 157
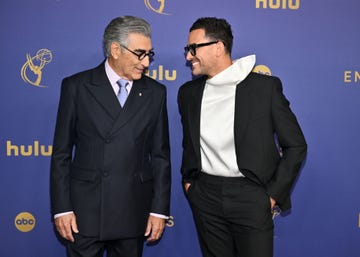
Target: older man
110 168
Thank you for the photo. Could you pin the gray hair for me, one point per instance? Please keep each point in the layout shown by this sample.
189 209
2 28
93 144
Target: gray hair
119 29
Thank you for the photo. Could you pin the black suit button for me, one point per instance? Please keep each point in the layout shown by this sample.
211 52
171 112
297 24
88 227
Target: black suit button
105 174
107 140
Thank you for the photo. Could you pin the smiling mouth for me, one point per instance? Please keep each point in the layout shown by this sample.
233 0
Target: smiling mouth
194 64
140 70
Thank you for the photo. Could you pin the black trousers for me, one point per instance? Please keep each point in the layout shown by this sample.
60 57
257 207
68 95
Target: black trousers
232 216
92 247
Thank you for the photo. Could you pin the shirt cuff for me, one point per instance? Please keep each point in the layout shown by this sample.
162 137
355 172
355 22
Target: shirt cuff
70 212
62 214
159 215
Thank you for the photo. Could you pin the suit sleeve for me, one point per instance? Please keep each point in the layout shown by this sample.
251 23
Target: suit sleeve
292 143
62 150
184 169
160 158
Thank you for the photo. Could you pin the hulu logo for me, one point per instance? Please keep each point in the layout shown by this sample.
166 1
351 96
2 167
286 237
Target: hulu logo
278 4
28 150
161 74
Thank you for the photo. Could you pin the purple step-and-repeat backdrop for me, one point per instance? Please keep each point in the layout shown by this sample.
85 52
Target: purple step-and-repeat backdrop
313 46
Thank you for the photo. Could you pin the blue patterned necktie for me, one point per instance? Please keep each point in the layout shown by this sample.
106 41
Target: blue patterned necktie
123 94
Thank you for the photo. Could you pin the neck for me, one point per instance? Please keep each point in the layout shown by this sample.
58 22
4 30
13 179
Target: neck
115 67
220 66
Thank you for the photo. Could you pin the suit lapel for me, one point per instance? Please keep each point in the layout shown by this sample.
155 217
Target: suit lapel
242 111
139 97
102 91
241 119
194 113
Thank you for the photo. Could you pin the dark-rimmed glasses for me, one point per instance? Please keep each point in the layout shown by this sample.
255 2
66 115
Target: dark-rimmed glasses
140 54
192 48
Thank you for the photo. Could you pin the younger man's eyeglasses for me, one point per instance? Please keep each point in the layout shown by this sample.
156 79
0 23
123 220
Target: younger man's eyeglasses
192 48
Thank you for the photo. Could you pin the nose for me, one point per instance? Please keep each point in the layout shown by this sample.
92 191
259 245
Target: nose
146 61
188 56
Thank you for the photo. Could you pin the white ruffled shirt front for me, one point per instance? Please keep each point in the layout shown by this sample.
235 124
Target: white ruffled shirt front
217 145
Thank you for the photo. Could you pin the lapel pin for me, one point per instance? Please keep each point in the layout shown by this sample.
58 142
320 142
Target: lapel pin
140 94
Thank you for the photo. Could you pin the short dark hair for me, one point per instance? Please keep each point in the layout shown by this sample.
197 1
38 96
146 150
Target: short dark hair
215 29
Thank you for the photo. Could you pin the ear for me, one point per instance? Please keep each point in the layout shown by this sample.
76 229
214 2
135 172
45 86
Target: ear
115 50
220 49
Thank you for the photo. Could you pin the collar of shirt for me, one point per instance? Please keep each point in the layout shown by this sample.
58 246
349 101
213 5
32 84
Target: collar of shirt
113 78
235 73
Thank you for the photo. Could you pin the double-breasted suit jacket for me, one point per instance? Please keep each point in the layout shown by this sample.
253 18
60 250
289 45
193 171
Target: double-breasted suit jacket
263 121
110 165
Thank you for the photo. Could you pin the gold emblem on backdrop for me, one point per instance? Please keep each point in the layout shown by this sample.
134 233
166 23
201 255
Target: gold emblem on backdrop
159 10
31 71
262 69
25 222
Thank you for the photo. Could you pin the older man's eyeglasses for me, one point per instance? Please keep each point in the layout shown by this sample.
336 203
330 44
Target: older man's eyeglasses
192 48
141 54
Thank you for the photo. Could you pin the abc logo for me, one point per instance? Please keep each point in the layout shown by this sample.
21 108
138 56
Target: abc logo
25 222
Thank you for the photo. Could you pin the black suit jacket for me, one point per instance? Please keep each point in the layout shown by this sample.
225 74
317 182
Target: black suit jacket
262 114
110 165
